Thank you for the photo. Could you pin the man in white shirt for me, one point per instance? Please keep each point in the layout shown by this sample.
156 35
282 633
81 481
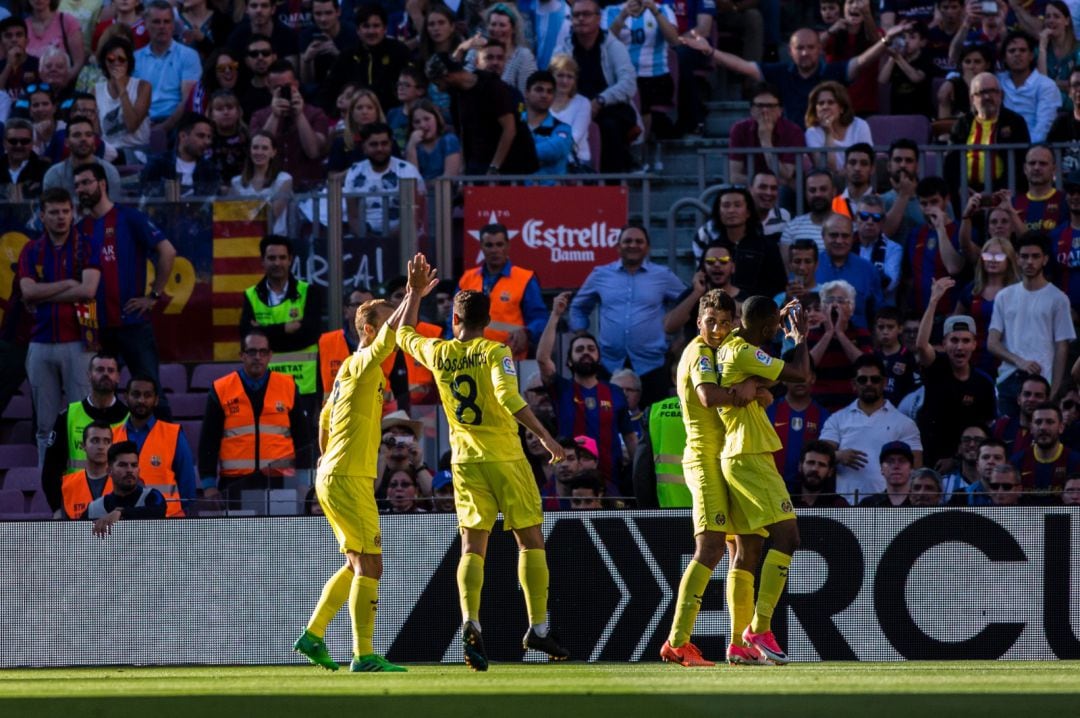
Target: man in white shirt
1031 326
861 429
820 191
375 176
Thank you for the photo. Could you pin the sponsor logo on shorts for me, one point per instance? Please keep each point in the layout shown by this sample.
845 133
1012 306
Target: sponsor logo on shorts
785 506
763 357
720 519
378 540
508 366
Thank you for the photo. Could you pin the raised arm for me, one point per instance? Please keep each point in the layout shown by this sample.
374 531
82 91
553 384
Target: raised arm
546 346
923 351
729 61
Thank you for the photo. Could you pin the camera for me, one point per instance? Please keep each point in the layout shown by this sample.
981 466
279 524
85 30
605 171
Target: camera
392 441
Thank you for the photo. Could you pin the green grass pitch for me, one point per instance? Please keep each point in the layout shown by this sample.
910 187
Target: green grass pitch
869 690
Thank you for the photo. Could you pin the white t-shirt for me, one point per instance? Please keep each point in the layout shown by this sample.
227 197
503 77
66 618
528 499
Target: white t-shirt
185 174
362 179
802 227
850 428
1030 324
282 185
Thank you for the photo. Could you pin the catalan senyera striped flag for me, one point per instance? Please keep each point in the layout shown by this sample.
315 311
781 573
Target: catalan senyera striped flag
238 228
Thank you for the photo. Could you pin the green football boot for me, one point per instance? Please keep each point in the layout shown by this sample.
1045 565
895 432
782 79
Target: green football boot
313 647
374 663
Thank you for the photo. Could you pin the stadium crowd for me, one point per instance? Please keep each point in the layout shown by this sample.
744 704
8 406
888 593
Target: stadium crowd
941 325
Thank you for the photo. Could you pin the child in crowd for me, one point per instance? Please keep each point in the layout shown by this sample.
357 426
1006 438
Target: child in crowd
901 369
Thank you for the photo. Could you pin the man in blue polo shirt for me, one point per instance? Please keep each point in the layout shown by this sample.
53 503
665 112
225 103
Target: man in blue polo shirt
171 69
796 79
841 263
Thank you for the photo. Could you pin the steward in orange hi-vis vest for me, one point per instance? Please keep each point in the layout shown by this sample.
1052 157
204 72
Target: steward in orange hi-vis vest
249 445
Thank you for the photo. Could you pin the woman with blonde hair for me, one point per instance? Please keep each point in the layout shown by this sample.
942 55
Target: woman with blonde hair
570 107
831 123
996 269
345 151
503 24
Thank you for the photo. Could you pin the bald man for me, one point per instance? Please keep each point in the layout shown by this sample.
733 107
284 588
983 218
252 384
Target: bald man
988 122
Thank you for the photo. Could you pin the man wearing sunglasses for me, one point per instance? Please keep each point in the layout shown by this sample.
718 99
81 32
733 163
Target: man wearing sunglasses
254 431
886 255
862 428
20 166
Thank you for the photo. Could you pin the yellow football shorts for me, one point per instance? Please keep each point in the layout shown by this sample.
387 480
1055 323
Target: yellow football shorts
349 505
482 490
710 497
757 495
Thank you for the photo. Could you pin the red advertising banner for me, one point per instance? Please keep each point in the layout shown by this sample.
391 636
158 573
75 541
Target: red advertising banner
560 233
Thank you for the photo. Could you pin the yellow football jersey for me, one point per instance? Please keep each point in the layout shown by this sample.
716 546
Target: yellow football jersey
352 415
477 382
749 430
704 429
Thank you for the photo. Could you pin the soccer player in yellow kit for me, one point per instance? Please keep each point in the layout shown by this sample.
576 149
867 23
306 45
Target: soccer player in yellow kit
477 382
757 495
698 387
345 484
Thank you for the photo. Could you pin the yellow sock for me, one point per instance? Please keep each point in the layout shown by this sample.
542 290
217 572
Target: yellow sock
470 582
694 580
773 578
740 602
334 595
533 575
363 603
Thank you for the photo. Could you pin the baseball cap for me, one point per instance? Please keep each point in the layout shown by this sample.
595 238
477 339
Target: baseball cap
440 480
896 447
588 444
959 323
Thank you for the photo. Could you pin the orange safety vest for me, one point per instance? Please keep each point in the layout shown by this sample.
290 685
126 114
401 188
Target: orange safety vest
506 296
333 350
156 463
265 445
841 205
75 488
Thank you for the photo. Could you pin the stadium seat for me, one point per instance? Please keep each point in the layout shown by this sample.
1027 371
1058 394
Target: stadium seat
203 376
887 128
12 502
173 378
23 478
19 407
21 432
187 406
192 428
39 507
16 455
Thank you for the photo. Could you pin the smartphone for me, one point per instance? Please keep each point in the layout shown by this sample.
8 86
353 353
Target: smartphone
988 7
286 92
986 200
320 37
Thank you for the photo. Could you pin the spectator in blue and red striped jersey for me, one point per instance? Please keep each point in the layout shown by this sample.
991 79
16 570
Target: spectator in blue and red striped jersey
1047 463
901 367
125 238
797 419
56 271
836 344
1015 431
928 256
1065 241
1043 207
